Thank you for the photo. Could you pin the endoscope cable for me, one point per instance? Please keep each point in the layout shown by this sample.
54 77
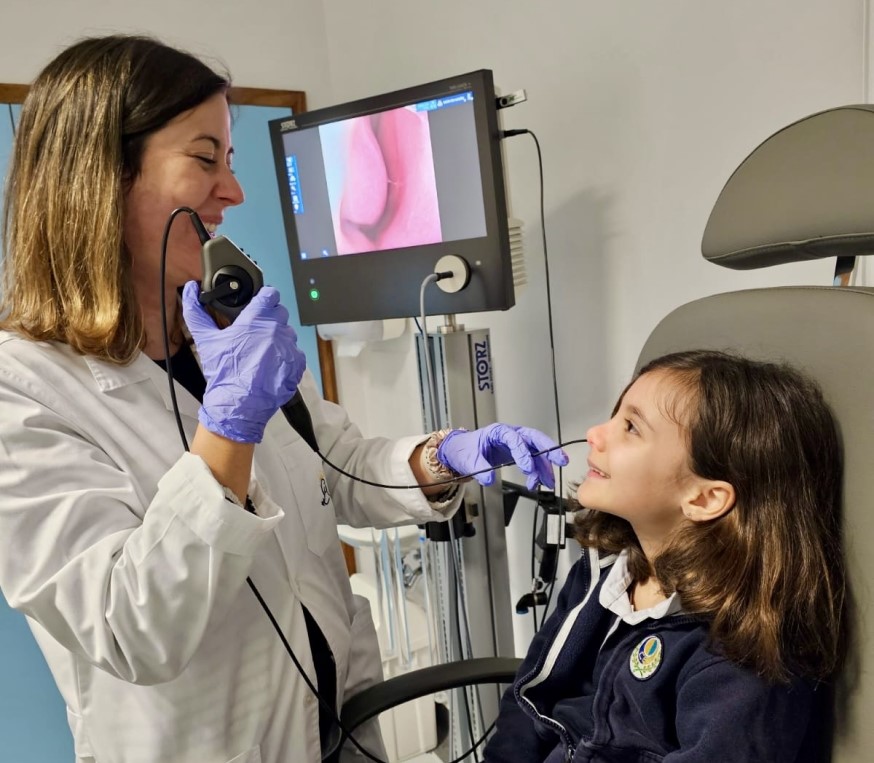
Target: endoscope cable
328 707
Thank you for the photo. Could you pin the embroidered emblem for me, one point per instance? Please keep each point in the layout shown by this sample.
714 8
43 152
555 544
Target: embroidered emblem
323 486
646 658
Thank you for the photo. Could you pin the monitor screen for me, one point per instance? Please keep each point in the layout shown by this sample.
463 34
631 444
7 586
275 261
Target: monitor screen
375 191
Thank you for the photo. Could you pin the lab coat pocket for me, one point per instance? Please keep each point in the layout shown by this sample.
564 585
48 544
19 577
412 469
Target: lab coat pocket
250 756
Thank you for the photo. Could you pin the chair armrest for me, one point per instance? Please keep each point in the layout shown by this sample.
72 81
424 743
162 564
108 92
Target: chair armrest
420 683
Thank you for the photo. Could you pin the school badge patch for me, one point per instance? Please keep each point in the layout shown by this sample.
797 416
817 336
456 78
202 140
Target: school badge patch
646 658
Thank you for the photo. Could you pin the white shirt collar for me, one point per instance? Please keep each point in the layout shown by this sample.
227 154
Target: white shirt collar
614 596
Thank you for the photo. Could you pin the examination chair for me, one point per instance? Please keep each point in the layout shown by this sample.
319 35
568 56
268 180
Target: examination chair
807 192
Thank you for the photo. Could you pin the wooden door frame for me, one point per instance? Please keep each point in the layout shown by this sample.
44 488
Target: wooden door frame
243 96
13 93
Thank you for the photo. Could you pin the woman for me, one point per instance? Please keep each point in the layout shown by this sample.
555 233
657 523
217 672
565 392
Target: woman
128 555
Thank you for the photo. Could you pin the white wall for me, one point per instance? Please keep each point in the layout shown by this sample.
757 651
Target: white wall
270 43
642 107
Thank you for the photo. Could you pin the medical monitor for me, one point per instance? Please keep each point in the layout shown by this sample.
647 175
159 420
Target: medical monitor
374 192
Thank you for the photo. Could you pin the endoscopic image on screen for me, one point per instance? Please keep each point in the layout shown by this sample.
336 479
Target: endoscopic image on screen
381 182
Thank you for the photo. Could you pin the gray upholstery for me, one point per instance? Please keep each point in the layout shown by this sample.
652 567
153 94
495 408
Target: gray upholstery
804 193
828 332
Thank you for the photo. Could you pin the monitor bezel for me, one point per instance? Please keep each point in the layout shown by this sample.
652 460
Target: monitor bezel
393 277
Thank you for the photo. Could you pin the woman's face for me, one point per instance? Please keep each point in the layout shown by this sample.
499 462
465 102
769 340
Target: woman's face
185 163
639 460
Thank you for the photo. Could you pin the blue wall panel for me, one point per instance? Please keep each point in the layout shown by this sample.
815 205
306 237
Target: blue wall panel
33 722
256 226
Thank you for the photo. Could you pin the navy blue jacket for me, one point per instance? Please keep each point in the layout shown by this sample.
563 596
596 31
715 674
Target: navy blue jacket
575 702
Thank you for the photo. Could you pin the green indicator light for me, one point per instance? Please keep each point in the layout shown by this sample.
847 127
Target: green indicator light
314 294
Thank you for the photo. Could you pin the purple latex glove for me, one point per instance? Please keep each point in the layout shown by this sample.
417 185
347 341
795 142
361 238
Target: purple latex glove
468 452
252 367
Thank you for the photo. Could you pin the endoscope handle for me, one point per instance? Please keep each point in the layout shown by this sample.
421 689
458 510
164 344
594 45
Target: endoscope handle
298 415
230 280
230 277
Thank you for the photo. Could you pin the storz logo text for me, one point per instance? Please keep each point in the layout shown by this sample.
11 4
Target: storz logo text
483 366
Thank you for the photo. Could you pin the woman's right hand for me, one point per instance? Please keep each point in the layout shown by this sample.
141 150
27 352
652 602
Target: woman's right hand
252 367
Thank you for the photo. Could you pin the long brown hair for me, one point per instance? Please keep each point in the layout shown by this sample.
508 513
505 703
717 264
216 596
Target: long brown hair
79 144
769 575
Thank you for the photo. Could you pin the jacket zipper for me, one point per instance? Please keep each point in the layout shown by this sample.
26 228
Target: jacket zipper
570 749
559 729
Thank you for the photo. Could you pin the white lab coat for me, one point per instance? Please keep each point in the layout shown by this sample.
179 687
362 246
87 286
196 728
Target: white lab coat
131 566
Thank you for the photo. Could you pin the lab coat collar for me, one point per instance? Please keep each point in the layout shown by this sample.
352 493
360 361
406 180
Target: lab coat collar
111 377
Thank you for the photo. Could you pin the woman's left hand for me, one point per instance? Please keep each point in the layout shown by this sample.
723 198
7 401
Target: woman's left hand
499 444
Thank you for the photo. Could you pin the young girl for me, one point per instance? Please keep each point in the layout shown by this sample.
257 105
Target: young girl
710 599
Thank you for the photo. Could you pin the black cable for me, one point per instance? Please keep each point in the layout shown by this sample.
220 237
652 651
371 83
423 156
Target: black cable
479 741
533 571
11 119
551 584
552 353
508 134
166 337
549 307
551 588
306 678
164 329
549 596
324 458
448 481
461 607
335 718
460 611
346 733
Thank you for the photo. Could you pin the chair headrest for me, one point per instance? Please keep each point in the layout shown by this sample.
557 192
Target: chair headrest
805 193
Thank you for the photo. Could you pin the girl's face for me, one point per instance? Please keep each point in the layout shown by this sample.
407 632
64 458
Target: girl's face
638 464
185 163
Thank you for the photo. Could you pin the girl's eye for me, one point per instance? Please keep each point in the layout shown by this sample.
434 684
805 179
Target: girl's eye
629 427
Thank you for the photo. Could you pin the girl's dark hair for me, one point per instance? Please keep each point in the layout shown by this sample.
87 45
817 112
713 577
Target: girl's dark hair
79 146
769 575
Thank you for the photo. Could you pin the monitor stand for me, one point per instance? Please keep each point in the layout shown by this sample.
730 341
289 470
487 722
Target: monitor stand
468 555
